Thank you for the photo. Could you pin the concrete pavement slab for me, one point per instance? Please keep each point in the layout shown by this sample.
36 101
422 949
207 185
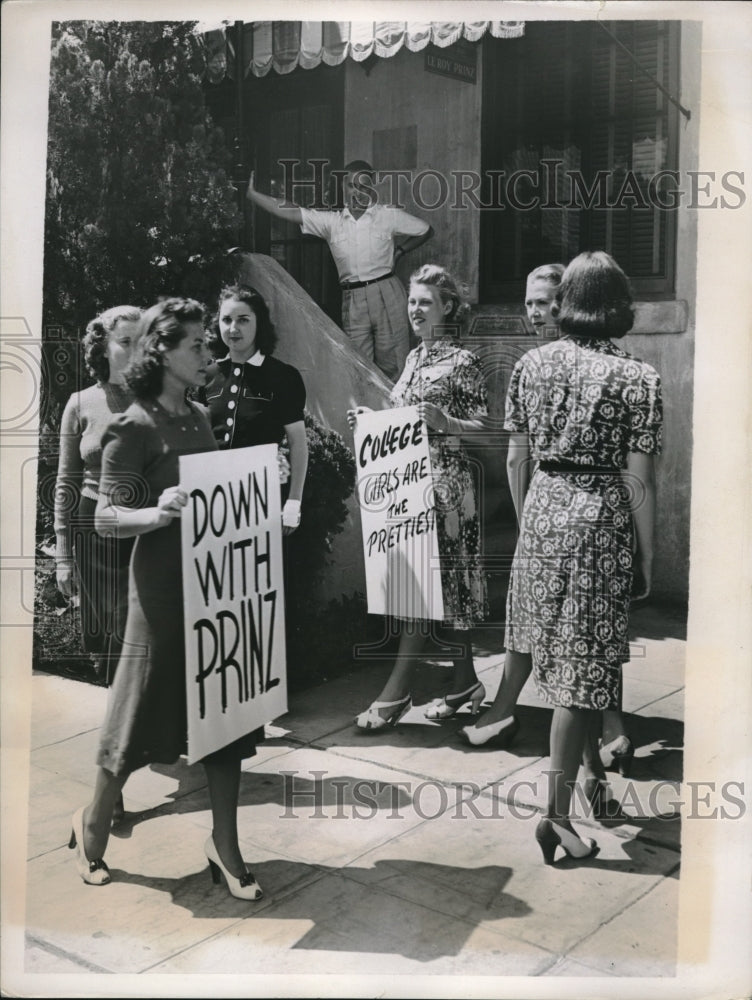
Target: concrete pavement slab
637 694
42 961
333 927
146 788
490 869
568 967
322 807
621 947
62 707
160 901
667 706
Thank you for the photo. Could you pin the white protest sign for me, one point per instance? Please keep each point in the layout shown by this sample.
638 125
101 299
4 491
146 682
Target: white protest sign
235 663
398 515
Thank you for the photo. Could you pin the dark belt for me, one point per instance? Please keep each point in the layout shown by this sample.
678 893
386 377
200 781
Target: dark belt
580 470
347 285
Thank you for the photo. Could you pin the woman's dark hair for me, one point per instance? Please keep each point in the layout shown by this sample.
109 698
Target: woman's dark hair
266 335
162 329
97 334
449 291
594 300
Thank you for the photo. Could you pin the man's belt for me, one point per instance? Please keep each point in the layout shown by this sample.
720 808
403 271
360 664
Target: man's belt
347 285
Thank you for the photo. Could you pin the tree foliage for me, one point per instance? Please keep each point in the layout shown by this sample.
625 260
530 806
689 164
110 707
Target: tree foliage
140 202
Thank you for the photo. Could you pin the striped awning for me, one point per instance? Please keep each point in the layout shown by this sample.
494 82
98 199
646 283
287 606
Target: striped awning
283 46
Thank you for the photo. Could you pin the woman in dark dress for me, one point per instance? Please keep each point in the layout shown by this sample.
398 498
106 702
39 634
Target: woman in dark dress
254 398
590 415
140 497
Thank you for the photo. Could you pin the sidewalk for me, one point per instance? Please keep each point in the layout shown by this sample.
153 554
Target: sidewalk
374 857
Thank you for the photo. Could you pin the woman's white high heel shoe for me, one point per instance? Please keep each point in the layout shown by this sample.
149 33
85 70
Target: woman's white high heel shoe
92 872
372 719
245 887
497 735
449 705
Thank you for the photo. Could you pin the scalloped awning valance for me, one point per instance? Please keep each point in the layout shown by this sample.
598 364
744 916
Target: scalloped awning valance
285 45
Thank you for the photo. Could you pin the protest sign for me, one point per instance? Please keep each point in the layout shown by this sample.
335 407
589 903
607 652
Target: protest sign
233 594
398 515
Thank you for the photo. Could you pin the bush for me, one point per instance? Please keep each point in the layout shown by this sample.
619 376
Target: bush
320 637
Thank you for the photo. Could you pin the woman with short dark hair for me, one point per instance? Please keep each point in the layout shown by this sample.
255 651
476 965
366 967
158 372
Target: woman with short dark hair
253 397
590 415
94 567
140 497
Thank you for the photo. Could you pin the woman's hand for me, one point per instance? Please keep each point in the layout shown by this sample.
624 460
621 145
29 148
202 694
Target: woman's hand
352 415
66 578
290 516
434 418
170 505
251 182
284 467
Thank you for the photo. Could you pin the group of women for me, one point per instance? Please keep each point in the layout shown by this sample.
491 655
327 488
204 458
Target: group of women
585 423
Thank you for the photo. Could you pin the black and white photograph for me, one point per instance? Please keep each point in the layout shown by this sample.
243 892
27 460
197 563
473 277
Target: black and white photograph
375 499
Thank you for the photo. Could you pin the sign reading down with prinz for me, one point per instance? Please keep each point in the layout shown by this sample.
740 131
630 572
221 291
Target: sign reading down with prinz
233 594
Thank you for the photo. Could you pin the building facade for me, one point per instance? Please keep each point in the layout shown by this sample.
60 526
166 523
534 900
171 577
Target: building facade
557 137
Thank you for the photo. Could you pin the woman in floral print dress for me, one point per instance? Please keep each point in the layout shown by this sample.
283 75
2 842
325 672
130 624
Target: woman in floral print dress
446 383
590 415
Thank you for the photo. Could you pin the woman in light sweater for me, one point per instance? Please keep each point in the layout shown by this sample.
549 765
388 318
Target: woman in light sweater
91 566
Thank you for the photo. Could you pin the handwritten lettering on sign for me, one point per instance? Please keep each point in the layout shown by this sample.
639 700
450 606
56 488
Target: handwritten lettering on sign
398 515
233 595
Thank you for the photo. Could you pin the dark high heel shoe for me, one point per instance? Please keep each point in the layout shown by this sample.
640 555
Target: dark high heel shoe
497 736
618 755
245 887
551 835
92 872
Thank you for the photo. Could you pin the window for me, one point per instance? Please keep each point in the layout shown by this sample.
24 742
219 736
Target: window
583 132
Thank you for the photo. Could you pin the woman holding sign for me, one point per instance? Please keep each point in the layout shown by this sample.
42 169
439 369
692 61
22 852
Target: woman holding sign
254 398
446 383
140 497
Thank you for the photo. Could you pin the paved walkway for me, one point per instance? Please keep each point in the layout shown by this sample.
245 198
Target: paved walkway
400 853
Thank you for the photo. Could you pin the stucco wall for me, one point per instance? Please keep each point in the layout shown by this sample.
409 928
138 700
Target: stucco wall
398 93
672 353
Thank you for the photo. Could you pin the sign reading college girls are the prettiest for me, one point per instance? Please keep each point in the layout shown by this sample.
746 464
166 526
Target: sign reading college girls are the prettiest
398 515
233 595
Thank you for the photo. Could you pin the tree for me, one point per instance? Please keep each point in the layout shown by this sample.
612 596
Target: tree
139 198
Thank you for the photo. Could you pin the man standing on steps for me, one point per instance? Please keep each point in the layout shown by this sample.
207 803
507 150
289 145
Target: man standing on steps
366 240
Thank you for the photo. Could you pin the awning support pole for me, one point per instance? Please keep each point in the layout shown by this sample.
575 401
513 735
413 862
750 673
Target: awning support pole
685 111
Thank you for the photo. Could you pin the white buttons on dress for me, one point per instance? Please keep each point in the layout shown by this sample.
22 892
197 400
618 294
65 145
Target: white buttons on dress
236 371
231 405
229 421
233 388
227 437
